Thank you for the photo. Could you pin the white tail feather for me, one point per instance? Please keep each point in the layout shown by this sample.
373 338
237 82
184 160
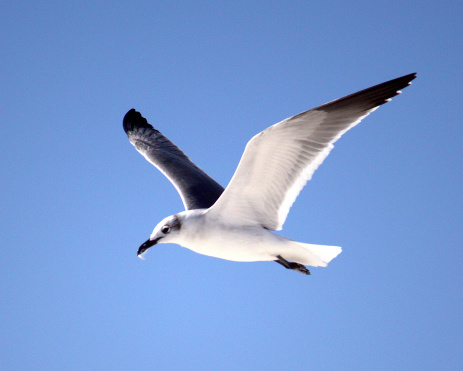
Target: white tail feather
314 255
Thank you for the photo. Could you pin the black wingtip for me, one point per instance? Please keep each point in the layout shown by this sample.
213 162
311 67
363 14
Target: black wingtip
133 120
400 82
374 96
410 77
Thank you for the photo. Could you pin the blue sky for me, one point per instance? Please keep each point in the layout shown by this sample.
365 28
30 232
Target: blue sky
77 199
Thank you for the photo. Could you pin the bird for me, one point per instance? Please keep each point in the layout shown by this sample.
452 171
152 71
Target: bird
237 223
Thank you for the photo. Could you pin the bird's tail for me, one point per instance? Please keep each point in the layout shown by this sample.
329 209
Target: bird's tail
314 255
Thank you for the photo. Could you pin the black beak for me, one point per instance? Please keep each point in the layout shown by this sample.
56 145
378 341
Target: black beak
146 245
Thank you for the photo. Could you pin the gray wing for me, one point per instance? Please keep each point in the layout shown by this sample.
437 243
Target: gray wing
278 162
197 189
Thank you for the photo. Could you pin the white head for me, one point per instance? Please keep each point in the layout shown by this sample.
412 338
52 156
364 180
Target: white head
166 231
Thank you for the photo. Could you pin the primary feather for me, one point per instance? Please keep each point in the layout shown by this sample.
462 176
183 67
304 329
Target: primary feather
278 162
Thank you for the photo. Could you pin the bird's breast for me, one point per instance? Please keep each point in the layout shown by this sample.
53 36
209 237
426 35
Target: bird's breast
235 243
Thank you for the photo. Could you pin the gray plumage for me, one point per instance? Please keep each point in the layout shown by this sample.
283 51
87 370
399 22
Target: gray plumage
197 189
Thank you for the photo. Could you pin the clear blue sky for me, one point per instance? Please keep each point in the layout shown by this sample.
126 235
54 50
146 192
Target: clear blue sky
77 199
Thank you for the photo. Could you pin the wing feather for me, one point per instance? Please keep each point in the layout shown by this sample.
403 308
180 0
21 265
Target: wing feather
279 161
197 189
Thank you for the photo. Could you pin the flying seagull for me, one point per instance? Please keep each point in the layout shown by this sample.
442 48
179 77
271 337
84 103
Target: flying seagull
236 223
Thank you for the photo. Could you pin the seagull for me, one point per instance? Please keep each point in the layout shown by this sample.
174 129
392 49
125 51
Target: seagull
236 223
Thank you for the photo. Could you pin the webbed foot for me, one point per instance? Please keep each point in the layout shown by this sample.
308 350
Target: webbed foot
293 266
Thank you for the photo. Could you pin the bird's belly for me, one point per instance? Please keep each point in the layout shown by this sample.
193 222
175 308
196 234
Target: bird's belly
237 244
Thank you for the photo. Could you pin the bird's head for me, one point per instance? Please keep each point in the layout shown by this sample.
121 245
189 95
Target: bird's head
166 231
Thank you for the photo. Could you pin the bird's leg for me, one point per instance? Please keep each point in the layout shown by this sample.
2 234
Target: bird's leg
291 265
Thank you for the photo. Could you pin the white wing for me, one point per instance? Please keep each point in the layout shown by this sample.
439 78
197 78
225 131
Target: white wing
278 162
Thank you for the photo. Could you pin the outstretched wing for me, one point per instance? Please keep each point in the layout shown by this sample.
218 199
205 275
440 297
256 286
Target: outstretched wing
278 162
197 189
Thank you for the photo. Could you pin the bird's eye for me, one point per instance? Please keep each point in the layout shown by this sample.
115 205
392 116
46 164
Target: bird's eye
165 229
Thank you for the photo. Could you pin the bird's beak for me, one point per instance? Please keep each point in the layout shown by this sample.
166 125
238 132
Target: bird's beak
146 245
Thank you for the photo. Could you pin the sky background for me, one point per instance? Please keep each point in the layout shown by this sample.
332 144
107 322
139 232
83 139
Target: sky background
77 200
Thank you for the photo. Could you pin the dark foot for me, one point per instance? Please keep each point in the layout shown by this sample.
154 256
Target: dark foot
291 265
